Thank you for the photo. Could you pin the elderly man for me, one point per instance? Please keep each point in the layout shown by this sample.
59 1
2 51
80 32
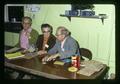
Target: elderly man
28 36
65 46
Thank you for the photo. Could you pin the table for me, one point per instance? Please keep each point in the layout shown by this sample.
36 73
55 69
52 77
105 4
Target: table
34 66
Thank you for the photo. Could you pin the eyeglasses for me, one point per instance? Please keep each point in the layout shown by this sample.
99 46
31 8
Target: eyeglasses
58 34
46 31
25 23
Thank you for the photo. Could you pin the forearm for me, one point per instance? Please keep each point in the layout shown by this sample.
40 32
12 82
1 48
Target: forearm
67 54
72 50
53 50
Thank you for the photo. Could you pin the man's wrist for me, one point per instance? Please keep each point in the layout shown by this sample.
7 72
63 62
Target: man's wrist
57 55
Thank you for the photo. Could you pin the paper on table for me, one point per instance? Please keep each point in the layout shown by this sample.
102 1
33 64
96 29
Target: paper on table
12 50
14 55
59 63
91 67
86 71
95 65
30 55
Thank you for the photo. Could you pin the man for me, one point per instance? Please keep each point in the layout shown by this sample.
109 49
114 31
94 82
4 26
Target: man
28 36
65 46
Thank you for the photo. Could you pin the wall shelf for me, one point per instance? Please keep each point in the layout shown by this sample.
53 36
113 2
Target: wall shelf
15 27
92 17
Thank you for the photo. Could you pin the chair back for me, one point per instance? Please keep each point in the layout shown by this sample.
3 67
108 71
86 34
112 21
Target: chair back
85 53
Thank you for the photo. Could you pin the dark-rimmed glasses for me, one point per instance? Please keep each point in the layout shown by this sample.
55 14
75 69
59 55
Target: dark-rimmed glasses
46 31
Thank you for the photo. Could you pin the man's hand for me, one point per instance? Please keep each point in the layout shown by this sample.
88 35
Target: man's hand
41 52
53 57
44 60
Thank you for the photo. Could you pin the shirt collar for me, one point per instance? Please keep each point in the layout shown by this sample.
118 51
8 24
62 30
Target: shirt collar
28 30
64 41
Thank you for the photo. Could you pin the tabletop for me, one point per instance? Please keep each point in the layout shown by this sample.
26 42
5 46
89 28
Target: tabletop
34 66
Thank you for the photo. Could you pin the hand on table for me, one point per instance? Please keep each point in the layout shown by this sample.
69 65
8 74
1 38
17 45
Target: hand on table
53 57
41 52
44 60
50 58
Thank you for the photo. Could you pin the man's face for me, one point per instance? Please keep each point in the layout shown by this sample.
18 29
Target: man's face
59 36
46 31
26 24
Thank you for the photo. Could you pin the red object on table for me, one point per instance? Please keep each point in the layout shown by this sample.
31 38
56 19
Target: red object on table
75 61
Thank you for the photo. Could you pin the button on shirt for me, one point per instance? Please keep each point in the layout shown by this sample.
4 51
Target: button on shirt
24 38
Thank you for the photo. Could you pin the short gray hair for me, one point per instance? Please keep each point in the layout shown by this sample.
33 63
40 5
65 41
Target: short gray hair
63 30
26 17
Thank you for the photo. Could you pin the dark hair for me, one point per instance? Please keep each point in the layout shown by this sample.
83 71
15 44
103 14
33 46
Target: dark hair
26 17
47 25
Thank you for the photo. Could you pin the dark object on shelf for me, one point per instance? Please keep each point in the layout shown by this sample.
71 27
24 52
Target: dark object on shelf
87 13
71 12
13 27
82 6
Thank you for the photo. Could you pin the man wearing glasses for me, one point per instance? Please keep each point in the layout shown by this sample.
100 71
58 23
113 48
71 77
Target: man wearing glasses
46 40
28 36
65 46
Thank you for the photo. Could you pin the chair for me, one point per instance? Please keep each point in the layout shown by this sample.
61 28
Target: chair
112 76
85 53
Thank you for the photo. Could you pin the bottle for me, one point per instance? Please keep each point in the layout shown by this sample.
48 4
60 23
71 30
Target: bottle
78 62
75 61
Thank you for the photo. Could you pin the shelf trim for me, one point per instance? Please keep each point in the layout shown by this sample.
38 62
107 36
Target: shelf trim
93 17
